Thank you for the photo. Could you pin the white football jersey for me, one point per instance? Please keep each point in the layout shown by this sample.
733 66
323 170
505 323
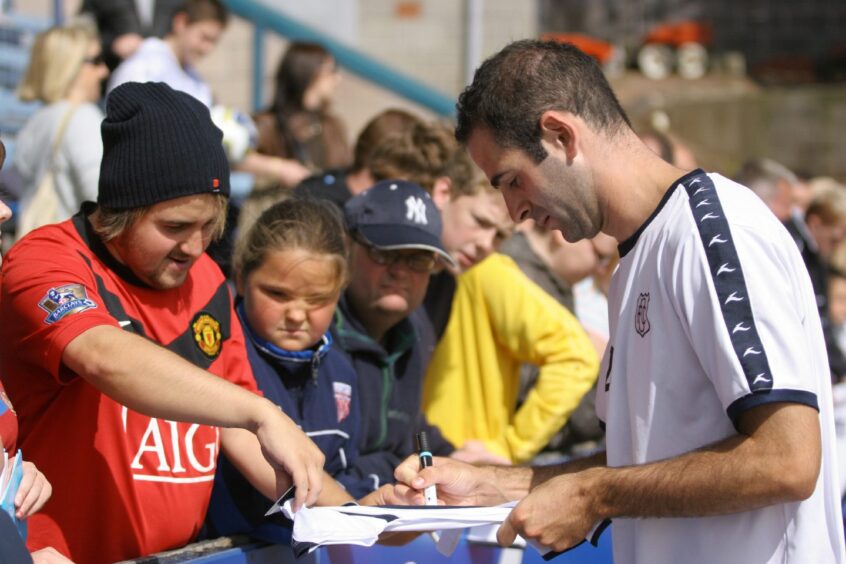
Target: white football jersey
712 313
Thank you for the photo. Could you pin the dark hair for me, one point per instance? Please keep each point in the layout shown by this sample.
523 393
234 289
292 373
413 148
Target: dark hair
512 89
421 155
295 223
377 130
296 71
204 10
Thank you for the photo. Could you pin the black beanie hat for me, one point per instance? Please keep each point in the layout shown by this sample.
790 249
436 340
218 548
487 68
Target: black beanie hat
158 144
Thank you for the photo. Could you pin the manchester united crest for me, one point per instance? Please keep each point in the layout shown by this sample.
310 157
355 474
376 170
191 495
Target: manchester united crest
641 319
207 334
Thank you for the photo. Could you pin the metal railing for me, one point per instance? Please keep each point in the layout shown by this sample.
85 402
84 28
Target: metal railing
265 18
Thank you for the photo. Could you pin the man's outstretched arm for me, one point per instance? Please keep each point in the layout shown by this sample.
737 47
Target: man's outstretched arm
156 382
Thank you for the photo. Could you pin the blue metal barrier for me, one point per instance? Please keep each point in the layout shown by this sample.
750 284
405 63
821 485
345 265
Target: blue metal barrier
349 58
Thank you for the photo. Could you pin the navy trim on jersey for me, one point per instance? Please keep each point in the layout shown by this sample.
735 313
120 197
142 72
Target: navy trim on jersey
783 395
729 282
92 240
629 243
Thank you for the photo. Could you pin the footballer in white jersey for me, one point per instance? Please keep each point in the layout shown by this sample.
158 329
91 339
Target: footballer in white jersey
712 313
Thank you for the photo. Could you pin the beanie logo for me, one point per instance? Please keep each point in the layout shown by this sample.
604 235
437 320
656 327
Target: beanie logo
215 184
207 334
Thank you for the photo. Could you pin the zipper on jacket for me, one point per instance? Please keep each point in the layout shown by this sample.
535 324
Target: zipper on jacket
386 396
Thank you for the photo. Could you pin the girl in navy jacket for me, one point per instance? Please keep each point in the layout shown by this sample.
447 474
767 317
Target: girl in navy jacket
290 271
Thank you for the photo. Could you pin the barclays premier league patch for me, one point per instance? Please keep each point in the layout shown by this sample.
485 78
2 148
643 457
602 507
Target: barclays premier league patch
65 300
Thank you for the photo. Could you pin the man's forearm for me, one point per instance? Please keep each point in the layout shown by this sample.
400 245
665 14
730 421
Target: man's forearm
511 483
740 473
156 382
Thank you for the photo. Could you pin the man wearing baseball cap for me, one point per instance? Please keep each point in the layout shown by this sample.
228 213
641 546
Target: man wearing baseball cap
121 352
395 230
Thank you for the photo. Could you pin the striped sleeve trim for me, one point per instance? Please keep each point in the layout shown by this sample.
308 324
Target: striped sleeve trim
741 405
729 282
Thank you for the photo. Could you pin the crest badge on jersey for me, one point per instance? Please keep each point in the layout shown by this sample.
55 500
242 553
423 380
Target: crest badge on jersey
641 315
207 334
343 398
65 300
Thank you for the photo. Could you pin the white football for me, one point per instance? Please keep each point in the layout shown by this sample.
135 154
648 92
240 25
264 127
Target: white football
239 131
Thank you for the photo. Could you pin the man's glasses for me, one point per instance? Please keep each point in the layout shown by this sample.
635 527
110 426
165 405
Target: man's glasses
96 60
417 261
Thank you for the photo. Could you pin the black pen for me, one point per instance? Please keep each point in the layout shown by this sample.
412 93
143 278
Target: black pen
430 492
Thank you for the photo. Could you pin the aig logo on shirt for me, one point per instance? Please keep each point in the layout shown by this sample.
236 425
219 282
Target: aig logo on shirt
641 319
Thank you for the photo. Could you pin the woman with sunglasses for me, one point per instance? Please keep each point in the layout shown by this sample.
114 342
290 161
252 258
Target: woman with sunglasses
65 72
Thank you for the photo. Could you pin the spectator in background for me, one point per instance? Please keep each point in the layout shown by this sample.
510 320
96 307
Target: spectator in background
339 185
299 124
395 233
557 265
500 320
65 72
772 182
822 231
196 28
123 24
837 314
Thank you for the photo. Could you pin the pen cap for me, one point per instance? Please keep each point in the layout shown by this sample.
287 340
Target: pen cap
422 442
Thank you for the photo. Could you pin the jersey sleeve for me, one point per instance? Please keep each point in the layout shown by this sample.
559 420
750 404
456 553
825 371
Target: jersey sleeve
49 297
738 297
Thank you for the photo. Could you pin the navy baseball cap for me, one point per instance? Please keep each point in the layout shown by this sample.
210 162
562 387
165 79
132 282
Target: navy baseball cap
395 215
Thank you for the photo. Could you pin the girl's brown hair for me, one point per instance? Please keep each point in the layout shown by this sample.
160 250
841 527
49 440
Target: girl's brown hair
294 223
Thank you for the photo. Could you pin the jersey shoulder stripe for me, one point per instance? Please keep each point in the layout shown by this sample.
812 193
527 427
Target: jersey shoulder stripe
729 282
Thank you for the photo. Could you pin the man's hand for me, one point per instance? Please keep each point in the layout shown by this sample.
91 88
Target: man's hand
288 449
458 483
385 495
33 492
558 513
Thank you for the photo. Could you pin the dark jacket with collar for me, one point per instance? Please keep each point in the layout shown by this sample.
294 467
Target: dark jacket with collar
317 390
390 384
818 271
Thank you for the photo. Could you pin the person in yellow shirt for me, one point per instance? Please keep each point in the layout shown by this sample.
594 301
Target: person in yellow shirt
499 320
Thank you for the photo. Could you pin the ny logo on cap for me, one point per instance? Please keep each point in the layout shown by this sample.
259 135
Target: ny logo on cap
416 210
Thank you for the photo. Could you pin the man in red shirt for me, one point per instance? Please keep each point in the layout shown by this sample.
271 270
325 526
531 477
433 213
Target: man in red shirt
121 352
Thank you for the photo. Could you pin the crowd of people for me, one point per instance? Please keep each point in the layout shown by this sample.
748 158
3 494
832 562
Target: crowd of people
175 362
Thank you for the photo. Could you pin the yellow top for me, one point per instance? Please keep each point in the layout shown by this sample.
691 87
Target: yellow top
499 320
